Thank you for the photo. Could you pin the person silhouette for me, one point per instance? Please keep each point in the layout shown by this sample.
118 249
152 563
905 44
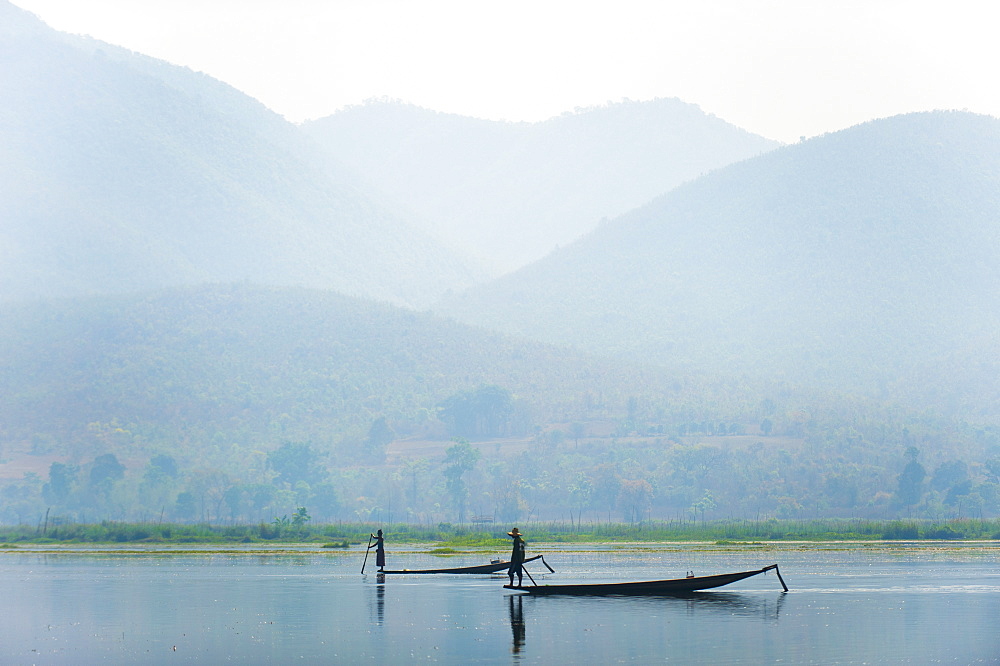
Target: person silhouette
379 547
516 557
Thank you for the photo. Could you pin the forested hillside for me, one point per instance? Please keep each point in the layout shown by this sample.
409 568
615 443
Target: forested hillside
120 172
509 193
216 378
239 403
868 260
259 364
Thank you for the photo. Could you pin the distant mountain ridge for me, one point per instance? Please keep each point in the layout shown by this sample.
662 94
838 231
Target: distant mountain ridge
869 257
511 192
120 172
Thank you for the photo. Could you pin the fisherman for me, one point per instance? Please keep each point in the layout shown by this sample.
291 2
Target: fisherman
379 547
516 557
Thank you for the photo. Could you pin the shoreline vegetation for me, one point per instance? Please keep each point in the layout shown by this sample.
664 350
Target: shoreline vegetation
452 539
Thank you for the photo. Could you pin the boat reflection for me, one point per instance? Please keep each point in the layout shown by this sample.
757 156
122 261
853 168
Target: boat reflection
735 604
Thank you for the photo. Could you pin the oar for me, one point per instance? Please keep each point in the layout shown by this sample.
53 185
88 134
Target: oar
551 570
529 576
780 578
775 567
366 554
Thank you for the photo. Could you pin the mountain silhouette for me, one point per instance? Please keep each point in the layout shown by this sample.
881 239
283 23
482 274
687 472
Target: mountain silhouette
509 193
865 258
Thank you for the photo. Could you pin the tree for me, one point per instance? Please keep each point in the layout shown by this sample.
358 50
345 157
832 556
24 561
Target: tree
62 478
949 474
294 462
841 490
957 491
104 472
706 503
300 517
161 467
186 506
234 499
507 500
19 498
262 497
580 492
605 486
992 470
380 435
635 496
459 459
412 469
485 412
325 500
910 481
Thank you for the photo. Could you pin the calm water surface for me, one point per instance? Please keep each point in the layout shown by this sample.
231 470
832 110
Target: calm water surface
848 604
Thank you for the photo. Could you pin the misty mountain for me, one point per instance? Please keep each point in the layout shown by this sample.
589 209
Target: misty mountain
188 370
511 192
121 172
864 259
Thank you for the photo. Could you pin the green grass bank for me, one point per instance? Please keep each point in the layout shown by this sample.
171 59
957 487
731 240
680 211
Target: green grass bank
471 537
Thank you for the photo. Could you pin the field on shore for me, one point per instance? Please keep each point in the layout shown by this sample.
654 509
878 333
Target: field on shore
450 538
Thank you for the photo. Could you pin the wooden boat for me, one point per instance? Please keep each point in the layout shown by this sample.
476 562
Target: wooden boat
493 567
671 586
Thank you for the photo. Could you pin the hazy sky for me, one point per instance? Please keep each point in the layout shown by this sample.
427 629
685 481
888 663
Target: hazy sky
782 68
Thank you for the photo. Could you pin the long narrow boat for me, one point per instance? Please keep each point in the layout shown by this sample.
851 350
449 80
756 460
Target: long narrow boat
649 587
493 567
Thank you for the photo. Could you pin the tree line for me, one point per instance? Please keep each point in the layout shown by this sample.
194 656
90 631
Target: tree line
789 464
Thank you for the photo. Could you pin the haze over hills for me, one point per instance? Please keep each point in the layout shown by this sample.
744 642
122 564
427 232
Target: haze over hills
120 172
242 403
868 258
726 324
509 193
217 377
259 364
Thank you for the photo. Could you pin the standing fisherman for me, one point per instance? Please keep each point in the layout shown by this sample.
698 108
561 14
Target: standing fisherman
516 558
379 547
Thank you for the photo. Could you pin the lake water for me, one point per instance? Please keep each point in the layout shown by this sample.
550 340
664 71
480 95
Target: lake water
848 604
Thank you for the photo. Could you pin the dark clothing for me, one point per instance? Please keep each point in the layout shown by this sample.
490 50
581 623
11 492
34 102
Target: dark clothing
516 561
379 547
517 554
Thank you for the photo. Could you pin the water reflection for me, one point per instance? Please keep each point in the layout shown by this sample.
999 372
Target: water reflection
379 610
735 604
516 609
224 607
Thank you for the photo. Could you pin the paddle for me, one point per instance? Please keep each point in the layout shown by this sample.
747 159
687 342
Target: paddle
529 576
780 578
366 554
551 570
